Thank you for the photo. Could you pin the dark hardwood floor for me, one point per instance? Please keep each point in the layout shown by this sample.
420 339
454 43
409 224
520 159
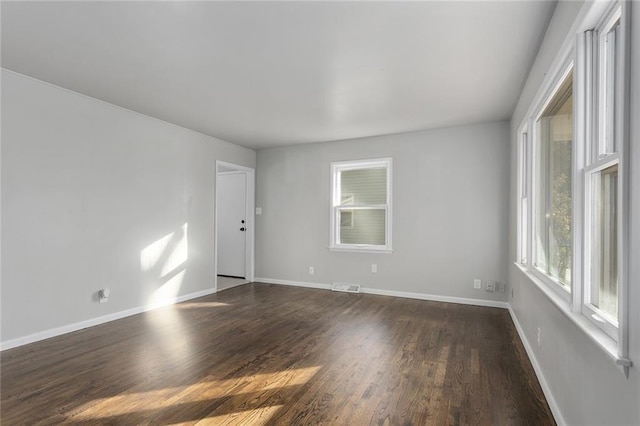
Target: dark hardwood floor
269 354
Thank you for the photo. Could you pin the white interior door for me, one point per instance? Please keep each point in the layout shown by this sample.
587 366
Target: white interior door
232 207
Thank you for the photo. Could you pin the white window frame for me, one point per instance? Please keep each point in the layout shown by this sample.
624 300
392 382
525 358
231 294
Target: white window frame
550 282
590 156
522 252
340 166
607 148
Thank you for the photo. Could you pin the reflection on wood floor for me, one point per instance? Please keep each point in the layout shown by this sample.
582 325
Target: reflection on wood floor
269 354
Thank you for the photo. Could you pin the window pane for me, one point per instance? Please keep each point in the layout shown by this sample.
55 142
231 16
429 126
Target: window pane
523 200
366 226
610 64
364 186
553 196
346 219
523 230
604 287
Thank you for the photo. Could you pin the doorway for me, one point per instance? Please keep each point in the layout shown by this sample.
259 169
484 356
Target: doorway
234 222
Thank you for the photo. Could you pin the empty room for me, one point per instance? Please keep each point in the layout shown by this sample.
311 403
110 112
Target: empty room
330 212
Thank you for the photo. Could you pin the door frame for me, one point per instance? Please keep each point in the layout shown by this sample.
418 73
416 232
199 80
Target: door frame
225 167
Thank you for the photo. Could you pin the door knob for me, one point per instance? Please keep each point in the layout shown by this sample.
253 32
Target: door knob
242 229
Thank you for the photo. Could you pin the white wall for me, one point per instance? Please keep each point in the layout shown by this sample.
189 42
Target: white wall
450 205
86 188
585 385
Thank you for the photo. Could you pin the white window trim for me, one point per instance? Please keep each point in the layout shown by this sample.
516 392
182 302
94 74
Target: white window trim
602 340
612 17
601 159
593 314
338 166
523 193
592 15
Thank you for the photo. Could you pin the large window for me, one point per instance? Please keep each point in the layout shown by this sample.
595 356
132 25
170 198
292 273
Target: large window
361 205
573 211
553 185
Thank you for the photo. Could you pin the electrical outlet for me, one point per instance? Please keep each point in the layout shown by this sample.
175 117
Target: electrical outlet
491 286
477 283
374 268
311 270
539 337
502 287
103 295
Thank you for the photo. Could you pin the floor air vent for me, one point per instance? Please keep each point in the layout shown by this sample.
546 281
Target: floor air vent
347 288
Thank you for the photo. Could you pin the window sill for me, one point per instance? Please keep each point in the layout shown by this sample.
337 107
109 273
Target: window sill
361 250
602 340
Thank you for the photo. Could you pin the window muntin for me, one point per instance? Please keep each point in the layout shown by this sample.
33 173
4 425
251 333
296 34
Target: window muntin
553 206
361 194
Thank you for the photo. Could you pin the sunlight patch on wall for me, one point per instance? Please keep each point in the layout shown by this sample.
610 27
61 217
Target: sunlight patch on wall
167 253
163 262
178 254
168 292
150 256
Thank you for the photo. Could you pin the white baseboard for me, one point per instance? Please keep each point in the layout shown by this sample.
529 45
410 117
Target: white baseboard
294 283
392 293
555 410
46 334
437 298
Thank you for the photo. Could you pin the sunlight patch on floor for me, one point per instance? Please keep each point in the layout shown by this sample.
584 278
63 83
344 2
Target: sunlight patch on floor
171 338
255 417
208 390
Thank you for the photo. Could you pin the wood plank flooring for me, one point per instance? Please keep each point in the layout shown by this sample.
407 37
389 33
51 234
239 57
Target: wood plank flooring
269 354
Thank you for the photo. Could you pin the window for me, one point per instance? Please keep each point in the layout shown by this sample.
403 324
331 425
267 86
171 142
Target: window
603 256
602 183
553 223
573 204
361 205
523 197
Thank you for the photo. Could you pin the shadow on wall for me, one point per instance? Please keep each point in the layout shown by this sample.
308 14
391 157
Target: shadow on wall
164 265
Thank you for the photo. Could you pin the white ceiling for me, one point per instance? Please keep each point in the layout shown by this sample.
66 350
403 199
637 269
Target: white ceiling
265 74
